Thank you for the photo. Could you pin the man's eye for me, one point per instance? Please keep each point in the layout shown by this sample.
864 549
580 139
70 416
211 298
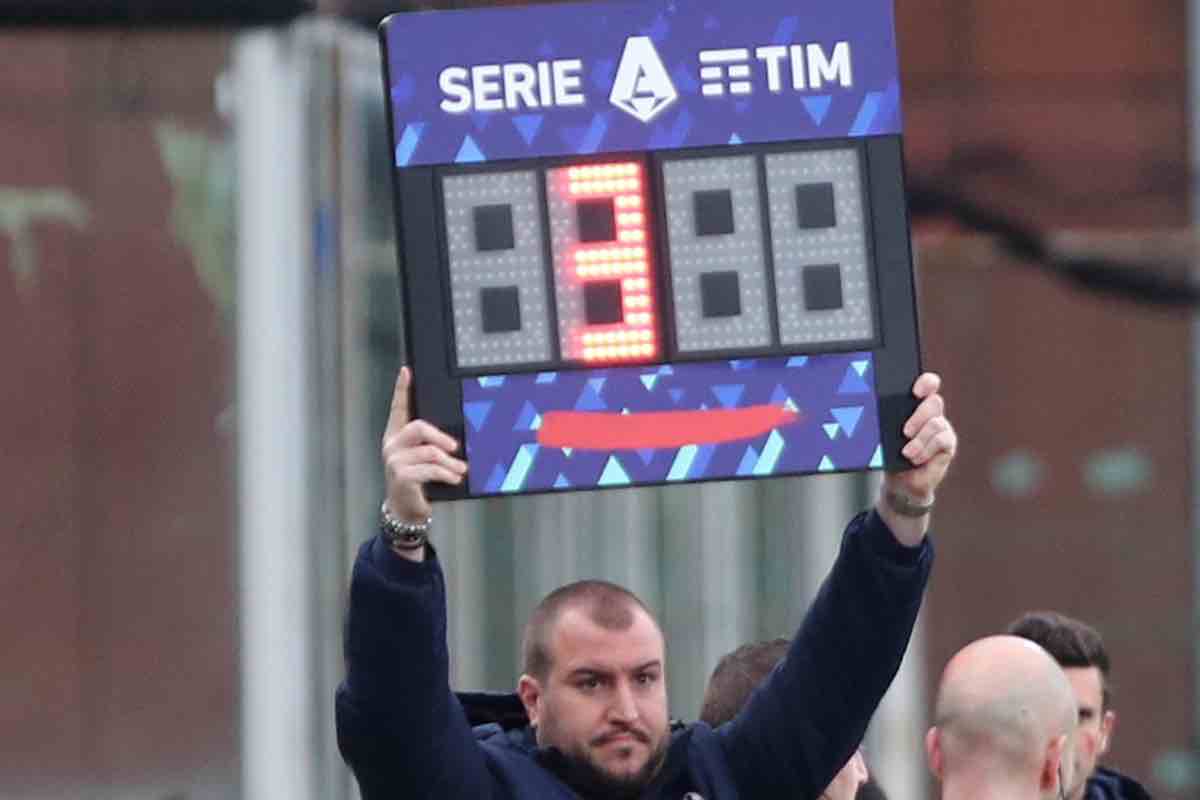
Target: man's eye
589 683
647 678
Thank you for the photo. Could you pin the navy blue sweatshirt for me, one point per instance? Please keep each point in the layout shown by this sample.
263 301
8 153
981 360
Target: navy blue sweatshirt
403 731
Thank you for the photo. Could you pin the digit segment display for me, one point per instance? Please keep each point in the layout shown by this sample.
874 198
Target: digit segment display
688 269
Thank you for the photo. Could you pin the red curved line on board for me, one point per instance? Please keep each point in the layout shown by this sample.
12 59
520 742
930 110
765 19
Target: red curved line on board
598 430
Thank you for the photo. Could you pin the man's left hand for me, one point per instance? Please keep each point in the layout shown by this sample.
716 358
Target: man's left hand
931 447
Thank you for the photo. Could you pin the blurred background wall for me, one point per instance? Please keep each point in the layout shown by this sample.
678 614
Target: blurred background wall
125 318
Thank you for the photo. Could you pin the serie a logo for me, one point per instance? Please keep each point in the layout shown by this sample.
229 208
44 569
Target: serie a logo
642 86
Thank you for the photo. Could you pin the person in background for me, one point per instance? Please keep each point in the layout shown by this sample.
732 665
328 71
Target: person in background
1003 724
736 676
1079 650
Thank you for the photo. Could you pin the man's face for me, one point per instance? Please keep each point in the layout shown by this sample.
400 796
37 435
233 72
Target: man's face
844 785
1094 728
604 701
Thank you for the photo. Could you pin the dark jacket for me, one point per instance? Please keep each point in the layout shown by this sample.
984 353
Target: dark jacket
1108 784
405 735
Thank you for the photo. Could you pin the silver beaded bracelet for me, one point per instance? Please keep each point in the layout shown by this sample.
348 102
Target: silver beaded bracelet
402 535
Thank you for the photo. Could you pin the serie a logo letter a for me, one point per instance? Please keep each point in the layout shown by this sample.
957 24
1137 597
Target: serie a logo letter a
642 86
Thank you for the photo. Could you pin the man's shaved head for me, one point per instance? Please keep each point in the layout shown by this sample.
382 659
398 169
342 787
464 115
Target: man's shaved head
1004 707
608 605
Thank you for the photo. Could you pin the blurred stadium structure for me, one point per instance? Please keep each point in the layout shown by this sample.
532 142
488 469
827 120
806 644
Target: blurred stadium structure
201 331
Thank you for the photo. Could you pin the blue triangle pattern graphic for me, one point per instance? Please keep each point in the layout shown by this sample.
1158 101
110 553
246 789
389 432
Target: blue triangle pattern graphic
797 361
866 114
590 400
817 106
586 140
749 460
469 153
527 417
561 482
408 143
785 30
861 366
826 464
847 417
514 481
831 429
495 480
477 412
779 396
735 139
853 383
769 459
676 395
614 474
729 394
649 380
699 466
877 458
528 126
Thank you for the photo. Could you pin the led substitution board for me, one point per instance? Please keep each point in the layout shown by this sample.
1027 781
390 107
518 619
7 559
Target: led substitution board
648 241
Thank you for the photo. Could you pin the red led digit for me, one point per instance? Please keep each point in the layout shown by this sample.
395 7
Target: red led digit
626 260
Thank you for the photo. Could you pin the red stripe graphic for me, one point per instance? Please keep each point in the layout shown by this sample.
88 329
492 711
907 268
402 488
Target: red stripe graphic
592 430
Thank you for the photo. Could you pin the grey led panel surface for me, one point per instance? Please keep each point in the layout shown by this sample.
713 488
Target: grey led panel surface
843 244
693 255
522 266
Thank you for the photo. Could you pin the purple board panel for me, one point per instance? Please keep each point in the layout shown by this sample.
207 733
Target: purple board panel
673 423
581 78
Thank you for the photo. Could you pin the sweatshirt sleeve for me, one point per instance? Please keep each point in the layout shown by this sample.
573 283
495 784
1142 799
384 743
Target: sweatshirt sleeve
806 719
399 726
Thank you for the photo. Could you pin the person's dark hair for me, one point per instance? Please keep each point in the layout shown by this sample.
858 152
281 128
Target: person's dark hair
1071 642
735 677
870 791
608 605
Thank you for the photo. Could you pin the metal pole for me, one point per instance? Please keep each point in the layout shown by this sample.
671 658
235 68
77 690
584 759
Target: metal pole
274 460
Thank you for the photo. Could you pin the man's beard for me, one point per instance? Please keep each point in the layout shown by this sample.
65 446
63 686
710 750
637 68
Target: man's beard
591 781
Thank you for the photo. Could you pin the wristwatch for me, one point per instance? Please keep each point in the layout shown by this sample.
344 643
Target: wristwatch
402 535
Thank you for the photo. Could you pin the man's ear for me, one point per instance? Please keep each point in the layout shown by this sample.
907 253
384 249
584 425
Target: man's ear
933 752
530 692
1108 724
1053 767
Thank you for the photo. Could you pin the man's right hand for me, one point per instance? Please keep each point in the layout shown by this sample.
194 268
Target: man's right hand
415 453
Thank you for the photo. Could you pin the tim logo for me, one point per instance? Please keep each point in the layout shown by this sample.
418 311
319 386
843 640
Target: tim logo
642 87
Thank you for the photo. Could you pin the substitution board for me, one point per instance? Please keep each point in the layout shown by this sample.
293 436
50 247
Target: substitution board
649 242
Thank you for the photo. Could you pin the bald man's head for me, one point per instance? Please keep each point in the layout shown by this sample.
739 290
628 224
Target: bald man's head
1005 713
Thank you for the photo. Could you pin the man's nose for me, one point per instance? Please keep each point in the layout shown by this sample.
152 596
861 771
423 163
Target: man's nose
624 705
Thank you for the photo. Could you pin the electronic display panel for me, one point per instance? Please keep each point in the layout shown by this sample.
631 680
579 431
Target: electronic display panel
645 246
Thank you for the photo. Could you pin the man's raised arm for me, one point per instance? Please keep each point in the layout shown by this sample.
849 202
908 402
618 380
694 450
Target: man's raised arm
805 721
399 726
